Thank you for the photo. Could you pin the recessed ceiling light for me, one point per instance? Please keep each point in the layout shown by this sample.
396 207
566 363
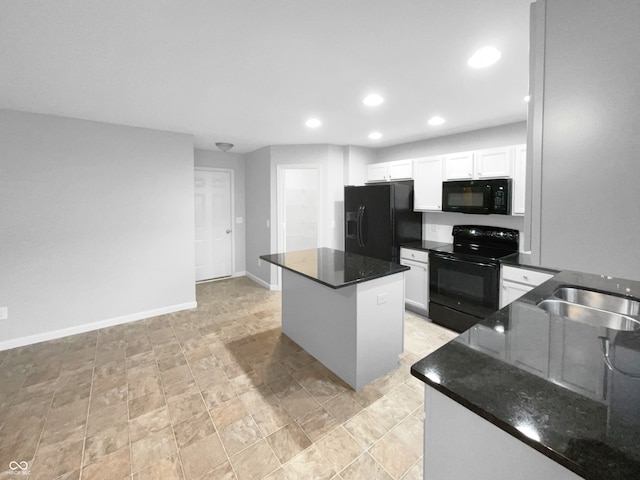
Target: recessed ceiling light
375 135
435 121
373 100
484 57
527 98
313 123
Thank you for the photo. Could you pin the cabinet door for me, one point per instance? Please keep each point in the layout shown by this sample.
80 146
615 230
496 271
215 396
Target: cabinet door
377 172
512 291
494 162
575 359
458 166
486 339
416 284
427 184
519 179
401 169
529 338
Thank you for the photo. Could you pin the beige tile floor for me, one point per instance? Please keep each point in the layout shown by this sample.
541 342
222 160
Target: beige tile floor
214 393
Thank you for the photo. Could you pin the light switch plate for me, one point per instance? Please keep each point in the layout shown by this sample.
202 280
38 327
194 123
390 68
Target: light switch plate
4 313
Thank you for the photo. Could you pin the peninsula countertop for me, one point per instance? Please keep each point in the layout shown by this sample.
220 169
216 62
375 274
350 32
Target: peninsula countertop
542 378
334 268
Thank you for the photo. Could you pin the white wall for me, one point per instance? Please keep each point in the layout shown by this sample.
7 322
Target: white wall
356 161
590 215
330 159
500 136
236 163
97 225
437 226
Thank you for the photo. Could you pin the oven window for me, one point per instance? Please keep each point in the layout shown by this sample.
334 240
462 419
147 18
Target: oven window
466 285
468 198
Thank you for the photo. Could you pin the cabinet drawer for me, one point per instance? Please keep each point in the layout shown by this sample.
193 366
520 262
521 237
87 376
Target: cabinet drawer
416 255
523 275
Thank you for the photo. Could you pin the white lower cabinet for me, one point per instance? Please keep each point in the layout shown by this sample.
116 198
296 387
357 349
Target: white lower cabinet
518 281
416 288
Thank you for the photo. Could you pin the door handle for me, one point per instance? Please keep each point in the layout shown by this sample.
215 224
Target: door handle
228 231
361 210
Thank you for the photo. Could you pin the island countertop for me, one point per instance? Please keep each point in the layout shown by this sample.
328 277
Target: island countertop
542 378
334 268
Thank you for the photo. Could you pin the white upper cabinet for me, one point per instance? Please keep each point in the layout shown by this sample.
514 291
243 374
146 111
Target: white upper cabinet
494 162
459 166
401 170
377 172
387 171
427 184
519 180
488 163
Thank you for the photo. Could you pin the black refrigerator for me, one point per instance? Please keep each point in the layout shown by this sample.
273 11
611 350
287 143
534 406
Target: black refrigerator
379 218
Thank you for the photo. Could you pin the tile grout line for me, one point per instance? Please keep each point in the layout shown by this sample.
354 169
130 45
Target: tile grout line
86 426
164 394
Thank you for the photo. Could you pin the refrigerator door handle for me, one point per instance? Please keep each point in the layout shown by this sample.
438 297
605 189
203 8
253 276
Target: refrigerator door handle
361 210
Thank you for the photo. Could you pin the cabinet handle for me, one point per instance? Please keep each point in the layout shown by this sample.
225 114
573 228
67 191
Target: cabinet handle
525 277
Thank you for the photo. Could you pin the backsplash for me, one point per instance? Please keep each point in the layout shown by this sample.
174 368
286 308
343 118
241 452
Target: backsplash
436 227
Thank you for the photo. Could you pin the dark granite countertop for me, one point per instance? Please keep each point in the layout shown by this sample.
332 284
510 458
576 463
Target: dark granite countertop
542 378
334 268
425 245
522 260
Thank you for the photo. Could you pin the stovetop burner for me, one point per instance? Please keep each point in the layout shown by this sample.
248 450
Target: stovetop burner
480 241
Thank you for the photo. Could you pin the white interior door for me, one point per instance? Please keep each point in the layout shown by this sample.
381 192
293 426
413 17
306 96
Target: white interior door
213 222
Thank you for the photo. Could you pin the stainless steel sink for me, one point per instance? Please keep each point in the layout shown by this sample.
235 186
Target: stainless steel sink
589 315
599 300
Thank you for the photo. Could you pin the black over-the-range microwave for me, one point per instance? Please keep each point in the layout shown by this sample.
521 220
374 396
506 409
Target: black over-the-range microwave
477 196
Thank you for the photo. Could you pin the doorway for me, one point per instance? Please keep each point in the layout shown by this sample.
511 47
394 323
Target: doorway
298 207
213 191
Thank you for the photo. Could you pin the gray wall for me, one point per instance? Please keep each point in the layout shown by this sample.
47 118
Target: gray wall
235 162
261 200
258 213
97 225
590 216
437 225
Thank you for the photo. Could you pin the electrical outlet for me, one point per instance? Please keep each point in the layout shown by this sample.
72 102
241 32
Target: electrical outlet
259 262
4 313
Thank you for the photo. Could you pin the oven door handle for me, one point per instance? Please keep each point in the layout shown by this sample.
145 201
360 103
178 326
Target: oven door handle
451 258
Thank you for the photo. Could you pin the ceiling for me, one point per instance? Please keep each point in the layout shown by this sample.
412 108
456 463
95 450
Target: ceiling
250 72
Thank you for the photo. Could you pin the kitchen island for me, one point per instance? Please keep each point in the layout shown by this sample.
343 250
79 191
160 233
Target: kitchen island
346 310
529 393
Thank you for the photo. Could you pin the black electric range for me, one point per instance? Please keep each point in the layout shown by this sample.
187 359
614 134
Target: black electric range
464 276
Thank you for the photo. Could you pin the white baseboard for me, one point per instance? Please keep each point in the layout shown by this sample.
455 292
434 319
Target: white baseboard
262 282
239 274
87 327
